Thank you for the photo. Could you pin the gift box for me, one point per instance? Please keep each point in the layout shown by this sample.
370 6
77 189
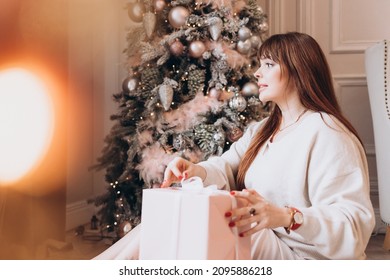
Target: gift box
189 224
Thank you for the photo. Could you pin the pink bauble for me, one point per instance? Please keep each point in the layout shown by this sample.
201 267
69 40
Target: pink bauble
136 11
196 49
176 48
159 5
177 16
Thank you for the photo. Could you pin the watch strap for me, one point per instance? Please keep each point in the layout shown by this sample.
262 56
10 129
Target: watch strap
293 224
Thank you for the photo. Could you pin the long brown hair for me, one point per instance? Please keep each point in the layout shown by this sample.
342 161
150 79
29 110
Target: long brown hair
303 61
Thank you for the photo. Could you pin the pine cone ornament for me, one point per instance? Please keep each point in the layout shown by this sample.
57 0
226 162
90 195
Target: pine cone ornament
149 22
210 138
150 78
166 96
196 80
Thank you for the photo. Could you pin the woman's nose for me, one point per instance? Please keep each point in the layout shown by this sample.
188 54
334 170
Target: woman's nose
257 74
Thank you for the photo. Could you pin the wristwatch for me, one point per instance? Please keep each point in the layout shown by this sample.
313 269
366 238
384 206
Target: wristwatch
296 219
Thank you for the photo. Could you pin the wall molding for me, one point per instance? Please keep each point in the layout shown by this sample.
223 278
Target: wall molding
350 80
305 16
275 18
338 44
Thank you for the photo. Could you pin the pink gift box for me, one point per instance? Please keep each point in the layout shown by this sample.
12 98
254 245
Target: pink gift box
180 224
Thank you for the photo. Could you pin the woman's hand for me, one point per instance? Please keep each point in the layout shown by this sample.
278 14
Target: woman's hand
180 168
258 213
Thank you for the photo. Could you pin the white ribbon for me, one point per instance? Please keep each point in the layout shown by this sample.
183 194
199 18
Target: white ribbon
195 184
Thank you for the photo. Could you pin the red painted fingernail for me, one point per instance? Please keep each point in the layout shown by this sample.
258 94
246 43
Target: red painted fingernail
180 177
232 192
228 214
232 224
241 234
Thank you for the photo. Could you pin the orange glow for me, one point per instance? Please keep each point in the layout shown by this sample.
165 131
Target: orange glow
26 123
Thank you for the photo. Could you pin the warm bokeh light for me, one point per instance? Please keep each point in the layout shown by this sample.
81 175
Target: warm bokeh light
26 123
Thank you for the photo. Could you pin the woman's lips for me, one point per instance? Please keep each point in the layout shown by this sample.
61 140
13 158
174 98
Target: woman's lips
262 86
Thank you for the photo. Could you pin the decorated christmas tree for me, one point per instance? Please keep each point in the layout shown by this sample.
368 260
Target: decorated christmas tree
190 92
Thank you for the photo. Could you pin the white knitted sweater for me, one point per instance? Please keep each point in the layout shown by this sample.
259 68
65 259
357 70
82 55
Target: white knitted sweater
317 166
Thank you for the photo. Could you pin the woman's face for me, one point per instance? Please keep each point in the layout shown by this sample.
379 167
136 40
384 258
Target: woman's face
272 86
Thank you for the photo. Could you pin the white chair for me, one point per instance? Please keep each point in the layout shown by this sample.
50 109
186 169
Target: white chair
378 81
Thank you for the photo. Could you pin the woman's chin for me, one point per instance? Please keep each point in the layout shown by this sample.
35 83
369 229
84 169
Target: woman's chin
263 98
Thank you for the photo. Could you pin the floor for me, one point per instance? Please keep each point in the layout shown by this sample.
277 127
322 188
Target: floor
85 246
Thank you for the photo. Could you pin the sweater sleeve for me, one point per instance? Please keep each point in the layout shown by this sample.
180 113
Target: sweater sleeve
341 218
222 170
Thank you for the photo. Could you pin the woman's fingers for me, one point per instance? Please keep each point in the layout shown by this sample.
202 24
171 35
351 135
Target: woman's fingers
174 172
249 218
250 195
252 230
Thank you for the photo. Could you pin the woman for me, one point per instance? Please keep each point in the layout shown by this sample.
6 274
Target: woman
302 171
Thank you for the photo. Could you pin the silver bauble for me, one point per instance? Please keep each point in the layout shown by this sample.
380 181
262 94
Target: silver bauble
219 137
166 96
159 5
149 23
238 103
243 47
176 48
136 11
196 49
255 41
130 84
244 33
250 89
177 16
178 142
215 27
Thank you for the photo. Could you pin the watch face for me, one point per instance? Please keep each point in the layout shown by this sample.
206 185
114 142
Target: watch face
298 218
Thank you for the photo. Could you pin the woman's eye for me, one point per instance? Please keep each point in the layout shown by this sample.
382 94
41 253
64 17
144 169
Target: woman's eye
266 64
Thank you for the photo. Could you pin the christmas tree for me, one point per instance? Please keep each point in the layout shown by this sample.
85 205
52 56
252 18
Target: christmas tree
190 92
